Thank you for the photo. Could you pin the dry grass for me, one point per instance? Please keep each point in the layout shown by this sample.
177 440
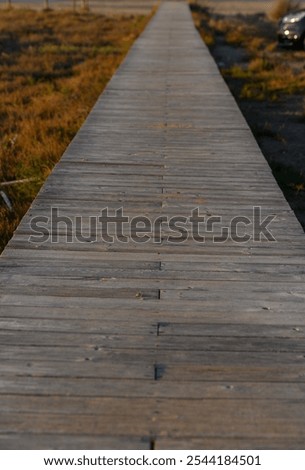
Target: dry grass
258 72
267 79
266 75
202 22
53 67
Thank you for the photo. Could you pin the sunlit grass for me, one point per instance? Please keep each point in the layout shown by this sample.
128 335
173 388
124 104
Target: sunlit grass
261 71
53 67
266 75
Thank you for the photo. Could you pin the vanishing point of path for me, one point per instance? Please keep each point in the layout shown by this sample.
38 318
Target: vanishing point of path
166 345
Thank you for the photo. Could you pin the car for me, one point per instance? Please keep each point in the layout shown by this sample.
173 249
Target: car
292 29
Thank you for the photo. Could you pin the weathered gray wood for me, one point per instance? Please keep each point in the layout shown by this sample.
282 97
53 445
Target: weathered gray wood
87 342
171 418
105 387
240 442
191 345
85 326
67 441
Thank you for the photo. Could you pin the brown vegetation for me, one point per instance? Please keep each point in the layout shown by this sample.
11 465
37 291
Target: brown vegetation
266 75
281 7
268 83
53 67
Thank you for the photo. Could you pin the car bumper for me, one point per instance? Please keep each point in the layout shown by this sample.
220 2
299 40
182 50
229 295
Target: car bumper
288 39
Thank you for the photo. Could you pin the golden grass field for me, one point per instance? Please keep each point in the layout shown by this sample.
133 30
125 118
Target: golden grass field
108 7
53 67
266 75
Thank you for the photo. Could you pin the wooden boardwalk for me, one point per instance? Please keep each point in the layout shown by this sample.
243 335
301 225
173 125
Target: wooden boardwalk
126 345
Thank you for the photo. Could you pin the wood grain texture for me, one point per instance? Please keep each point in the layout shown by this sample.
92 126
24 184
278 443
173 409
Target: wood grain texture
110 345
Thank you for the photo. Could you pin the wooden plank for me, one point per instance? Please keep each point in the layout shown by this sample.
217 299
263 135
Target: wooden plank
229 330
53 441
54 368
294 274
86 342
135 285
190 262
149 326
174 419
150 388
128 314
169 365
238 443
